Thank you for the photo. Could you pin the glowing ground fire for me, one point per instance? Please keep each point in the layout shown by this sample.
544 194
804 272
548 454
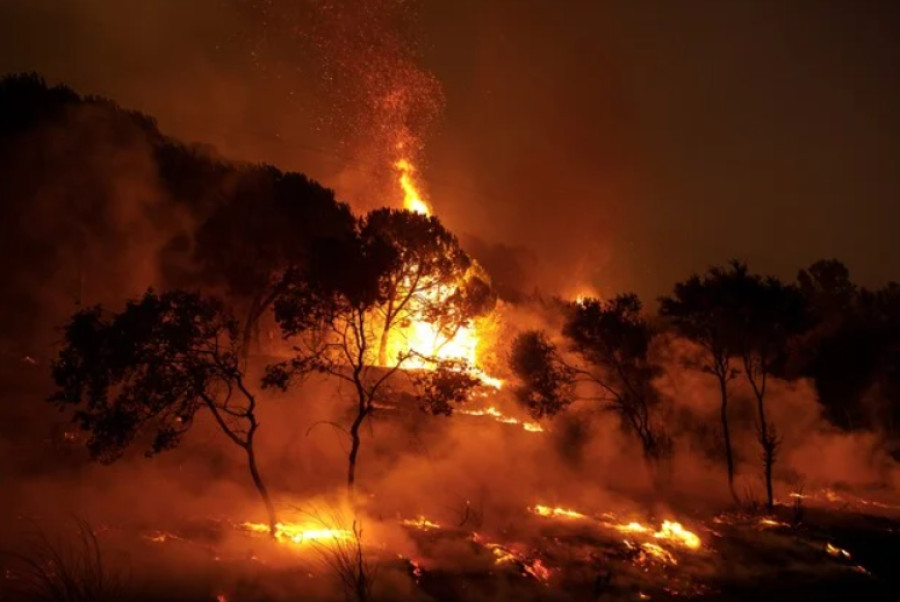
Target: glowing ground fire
669 531
301 533
528 425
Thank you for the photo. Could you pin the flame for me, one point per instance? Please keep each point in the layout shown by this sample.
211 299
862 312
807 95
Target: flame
658 553
412 198
301 533
562 512
414 566
633 527
528 425
670 531
422 336
421 523
537 570
676 533
836 551
505 554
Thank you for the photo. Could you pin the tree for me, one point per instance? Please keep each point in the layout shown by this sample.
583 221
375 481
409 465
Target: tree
148 370
265 227
771 314
547 382
432 280
828 289
614 340
702 309
610 341
333 312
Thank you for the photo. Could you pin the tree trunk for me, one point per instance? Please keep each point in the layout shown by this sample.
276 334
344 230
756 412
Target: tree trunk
385 334
382 345
354 448
768 450
261 488
726 434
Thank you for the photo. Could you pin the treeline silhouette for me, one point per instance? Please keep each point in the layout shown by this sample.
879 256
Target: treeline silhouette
749 328
97 205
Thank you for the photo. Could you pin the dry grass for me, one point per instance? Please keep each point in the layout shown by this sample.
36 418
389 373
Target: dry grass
66 567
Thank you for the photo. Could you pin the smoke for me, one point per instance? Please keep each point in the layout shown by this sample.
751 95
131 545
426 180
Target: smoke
87 222
93 231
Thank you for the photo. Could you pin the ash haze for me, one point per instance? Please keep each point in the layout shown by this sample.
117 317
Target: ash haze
624 144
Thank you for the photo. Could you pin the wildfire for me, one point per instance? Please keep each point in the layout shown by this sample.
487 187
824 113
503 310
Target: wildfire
421 523
561 512
633 527
528 425
676 533
670 531
412 198
301 533
658 553
533 567
415 567
420 335
836 551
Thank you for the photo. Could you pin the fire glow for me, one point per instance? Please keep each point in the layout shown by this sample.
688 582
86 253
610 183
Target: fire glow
669 531
421 523
301 533
421 336
528 425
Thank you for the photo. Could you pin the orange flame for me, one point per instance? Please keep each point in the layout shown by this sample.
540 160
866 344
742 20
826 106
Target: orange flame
421 523
528 425
412 198
562 512
301 533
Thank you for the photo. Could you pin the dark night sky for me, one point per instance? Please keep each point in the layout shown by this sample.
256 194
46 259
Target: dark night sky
627 143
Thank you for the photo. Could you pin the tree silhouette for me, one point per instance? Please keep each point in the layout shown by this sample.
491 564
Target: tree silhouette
547 382
828 289
432 280
267 226
610 341
770 316
614 341
703 309
148 370
333 312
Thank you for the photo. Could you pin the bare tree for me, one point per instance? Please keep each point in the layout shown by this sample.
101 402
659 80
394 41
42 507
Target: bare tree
702 310
771 314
